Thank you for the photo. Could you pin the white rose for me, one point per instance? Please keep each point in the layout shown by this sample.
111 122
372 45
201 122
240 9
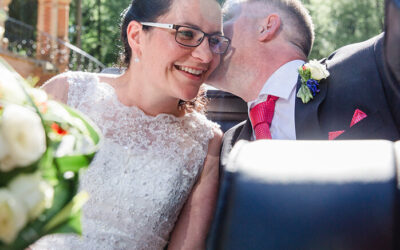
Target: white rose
3 15
34 192
66 146
13 216
24 134
38 95
2 30
7 164
10 88
57 112
318 70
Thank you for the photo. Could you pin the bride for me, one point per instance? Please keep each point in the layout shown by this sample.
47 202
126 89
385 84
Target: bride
154 182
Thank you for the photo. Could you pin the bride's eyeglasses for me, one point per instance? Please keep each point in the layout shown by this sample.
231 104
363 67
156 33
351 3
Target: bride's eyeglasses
192 37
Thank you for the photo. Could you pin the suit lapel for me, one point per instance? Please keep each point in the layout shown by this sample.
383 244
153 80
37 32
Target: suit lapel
306 114
241 131
246 132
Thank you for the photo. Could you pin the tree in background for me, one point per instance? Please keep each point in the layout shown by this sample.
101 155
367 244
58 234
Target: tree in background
342 22
100 28
337 23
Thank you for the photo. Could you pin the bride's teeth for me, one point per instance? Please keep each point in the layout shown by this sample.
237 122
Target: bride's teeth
191 71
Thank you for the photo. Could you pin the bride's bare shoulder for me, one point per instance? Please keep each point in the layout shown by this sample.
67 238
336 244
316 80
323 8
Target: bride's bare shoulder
57 88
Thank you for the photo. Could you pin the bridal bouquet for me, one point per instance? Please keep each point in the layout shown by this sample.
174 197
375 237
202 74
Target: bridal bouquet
44 145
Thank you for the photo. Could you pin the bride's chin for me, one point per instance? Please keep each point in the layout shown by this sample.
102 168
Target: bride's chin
189 95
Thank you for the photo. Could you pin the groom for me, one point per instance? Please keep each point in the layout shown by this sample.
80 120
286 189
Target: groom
271 40
392 37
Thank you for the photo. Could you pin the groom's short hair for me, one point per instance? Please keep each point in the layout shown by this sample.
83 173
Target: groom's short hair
297 24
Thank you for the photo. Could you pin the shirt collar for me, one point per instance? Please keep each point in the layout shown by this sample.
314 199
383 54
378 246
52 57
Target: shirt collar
280 83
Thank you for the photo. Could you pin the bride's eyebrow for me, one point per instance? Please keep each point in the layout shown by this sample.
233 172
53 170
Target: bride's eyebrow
189 24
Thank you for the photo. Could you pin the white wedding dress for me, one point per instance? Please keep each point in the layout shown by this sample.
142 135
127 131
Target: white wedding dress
141 177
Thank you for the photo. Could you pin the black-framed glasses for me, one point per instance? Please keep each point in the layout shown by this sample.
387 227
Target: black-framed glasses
193 37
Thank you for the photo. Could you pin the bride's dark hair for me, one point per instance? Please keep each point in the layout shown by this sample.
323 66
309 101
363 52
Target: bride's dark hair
149 11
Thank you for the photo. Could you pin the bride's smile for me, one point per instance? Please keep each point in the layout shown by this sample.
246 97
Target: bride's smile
179 56
154 183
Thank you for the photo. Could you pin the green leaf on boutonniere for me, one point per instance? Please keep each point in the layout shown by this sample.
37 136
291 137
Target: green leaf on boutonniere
304 93
305 74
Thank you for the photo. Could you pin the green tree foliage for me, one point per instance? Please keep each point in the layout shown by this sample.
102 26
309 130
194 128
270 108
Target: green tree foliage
100 28
342 22
337 23
100 33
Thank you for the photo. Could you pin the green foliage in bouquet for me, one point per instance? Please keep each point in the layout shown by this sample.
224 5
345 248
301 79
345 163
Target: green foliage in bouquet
44 146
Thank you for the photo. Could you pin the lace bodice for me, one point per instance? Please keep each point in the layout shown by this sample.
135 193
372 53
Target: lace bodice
141 177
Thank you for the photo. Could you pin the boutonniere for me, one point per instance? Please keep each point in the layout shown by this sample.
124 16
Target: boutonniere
311 73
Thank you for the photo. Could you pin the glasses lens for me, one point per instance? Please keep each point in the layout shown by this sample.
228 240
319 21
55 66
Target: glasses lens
188 36
192 37
219 44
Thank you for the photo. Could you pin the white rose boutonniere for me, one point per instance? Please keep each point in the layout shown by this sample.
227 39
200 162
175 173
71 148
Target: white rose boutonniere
318 70
311 73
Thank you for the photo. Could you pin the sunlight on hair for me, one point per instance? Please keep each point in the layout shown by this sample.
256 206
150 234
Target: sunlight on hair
230 3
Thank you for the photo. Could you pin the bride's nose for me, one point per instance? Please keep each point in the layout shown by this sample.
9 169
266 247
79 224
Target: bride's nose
203 51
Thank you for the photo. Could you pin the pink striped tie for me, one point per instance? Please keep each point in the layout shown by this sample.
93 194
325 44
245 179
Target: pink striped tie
261 117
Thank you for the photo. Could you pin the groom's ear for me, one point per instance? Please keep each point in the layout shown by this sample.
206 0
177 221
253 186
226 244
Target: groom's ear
133 32
269 27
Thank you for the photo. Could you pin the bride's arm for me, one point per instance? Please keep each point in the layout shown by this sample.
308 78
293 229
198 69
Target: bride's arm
191 229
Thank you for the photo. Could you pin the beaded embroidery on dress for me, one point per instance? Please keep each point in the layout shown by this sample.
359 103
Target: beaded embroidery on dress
142 175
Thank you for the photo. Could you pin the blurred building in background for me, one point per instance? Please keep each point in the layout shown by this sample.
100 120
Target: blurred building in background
43 51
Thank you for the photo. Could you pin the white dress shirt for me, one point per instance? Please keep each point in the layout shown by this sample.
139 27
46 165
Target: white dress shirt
282 84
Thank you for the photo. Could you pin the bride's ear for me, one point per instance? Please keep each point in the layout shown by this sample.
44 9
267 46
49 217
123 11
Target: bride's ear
269 27
134 31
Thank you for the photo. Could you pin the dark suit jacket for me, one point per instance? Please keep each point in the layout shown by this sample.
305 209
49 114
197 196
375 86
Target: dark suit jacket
392 37
358 80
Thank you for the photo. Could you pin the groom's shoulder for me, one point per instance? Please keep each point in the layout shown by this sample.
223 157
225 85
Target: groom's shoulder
361 51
